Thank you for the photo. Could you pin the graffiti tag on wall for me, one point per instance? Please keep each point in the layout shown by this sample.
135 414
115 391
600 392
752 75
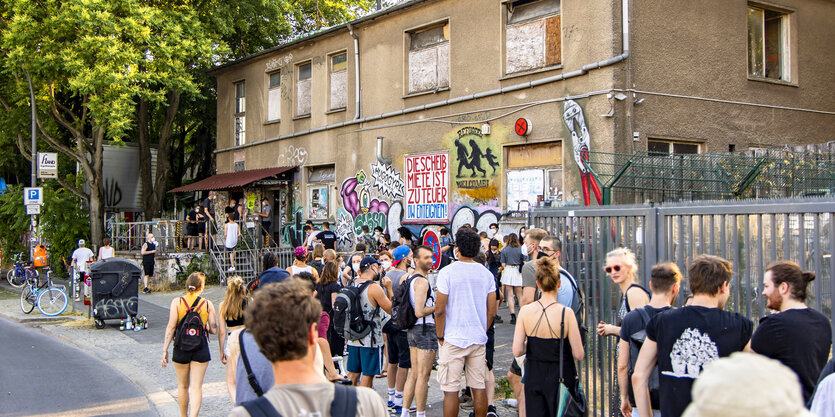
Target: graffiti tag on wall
292 156
387 181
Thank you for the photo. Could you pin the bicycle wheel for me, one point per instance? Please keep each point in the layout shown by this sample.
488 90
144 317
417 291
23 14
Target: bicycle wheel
27 300
52 301
14 278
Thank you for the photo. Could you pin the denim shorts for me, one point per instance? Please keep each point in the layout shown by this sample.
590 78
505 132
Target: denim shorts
423 337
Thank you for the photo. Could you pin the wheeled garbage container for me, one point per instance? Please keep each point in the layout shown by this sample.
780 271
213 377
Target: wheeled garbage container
115 290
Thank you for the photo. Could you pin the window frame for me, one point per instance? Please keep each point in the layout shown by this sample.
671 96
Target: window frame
408 34
672 143
787 69
297 90
239 117
270 89
505 50
331 108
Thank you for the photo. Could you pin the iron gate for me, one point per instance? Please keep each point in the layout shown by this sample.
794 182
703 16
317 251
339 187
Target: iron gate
751 234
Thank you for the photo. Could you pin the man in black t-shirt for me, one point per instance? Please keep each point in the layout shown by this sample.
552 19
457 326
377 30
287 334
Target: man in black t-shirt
664 283
231 210
795 335
327 237
685 340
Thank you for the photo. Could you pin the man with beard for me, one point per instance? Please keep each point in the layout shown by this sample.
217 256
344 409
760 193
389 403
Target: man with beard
795 334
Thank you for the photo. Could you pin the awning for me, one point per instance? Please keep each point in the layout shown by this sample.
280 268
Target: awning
231 180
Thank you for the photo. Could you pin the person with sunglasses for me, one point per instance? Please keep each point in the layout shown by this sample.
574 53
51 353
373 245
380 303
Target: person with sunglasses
623 270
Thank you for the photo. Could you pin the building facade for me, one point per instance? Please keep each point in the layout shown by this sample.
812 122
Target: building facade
462 111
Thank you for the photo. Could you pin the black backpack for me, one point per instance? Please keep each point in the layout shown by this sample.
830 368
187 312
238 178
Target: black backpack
636 341
578 304
191 333
344 404
402 311
348 318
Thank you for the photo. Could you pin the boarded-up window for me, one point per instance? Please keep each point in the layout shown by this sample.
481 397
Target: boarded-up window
429 58
536 155
274 97
339 81
532 35
303 86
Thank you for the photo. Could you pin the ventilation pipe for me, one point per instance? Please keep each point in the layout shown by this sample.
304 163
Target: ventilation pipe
380 159
358 104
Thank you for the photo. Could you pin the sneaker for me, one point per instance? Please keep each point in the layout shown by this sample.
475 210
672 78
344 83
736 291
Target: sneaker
468 404
146 290
231 269
390 405
498 319
396 411
491 411
512 319
77 299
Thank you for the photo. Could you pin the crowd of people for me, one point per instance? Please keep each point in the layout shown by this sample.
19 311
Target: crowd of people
314 335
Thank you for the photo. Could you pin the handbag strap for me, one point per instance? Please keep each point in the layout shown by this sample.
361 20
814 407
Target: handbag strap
253 381
562 340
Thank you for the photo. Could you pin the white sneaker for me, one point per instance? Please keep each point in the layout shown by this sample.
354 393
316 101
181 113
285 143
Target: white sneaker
231 269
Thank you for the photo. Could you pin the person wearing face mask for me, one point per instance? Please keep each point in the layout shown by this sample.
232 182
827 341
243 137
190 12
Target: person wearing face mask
493 233
364 354
522 232
399 360
386 259
351 271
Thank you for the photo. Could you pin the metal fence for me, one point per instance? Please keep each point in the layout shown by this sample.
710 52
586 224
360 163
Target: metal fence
751 234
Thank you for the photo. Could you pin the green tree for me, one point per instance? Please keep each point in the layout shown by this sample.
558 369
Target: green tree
90 63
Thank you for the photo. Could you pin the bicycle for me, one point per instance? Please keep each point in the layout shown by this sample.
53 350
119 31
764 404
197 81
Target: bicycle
50 299
19 274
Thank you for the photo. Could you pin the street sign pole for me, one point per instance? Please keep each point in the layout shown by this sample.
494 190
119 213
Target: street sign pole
34 167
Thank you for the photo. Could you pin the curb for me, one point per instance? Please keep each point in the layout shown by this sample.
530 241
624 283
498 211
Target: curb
36 319
163 403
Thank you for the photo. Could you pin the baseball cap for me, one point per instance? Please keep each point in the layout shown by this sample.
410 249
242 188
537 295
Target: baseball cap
81 242
747 384
400 253
367 261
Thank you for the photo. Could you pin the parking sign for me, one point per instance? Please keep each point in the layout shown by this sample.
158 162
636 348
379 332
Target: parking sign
33 195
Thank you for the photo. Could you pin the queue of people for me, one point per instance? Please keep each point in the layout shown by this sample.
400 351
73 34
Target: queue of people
286 348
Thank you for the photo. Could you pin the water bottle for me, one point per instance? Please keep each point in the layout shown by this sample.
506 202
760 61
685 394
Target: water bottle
138 325
129 323
122 324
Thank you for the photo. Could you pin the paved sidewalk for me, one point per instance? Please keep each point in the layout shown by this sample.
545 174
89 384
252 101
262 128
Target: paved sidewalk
137 355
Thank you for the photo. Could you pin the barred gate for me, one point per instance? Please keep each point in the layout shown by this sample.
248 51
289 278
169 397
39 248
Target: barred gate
751 234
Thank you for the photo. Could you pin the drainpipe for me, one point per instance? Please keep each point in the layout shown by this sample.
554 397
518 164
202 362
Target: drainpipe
358 94
630 108
380 159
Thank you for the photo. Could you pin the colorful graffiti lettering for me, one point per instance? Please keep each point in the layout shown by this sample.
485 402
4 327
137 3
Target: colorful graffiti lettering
371 220
387 181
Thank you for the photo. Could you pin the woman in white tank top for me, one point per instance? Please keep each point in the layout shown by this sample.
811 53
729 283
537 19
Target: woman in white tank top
300 263
106 251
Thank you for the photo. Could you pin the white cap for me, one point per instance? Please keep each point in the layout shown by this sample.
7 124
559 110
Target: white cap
745 385
81 242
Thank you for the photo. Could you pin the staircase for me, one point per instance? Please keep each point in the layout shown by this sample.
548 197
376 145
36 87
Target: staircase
247 256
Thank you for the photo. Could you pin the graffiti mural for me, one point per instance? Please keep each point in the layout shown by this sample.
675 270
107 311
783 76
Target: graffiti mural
363 202
576 124
344 230
387 181
475 164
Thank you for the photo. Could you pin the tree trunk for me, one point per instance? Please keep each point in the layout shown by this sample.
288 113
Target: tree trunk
163 152
144 154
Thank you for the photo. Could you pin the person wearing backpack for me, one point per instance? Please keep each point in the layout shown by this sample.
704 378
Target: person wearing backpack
399 357
290 344
190 321
422 336
357 312
664 283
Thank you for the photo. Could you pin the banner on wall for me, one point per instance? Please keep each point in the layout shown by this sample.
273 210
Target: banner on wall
427 188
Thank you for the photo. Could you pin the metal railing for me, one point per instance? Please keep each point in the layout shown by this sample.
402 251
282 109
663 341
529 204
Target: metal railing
751 234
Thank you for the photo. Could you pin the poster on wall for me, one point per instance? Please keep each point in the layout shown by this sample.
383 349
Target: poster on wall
524 186
427 188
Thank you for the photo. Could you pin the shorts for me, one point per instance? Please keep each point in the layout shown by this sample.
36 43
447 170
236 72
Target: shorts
324 323
511 276
423 337
191 230
451 363
398 350
364 360
490 347
149 268
202 355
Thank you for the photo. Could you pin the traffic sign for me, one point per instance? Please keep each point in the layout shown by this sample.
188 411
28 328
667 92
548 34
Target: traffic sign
33 209
47 165
33 195
431 239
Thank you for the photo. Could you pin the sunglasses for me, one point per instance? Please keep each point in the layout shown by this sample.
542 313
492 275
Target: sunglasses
609 269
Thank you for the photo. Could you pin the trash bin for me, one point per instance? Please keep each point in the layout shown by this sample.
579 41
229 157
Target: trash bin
115 290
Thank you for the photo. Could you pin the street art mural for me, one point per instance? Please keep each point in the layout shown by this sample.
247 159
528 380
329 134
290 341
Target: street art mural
475 164
576 124
364 204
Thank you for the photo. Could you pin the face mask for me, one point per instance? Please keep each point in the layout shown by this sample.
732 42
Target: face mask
522 235
386 264
356 268
413 264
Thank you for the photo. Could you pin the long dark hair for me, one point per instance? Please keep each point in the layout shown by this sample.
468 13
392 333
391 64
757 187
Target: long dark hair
491 257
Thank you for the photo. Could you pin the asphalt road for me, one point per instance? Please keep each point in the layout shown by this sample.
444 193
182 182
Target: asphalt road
42 376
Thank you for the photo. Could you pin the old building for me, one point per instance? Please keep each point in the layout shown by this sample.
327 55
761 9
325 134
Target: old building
459 111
